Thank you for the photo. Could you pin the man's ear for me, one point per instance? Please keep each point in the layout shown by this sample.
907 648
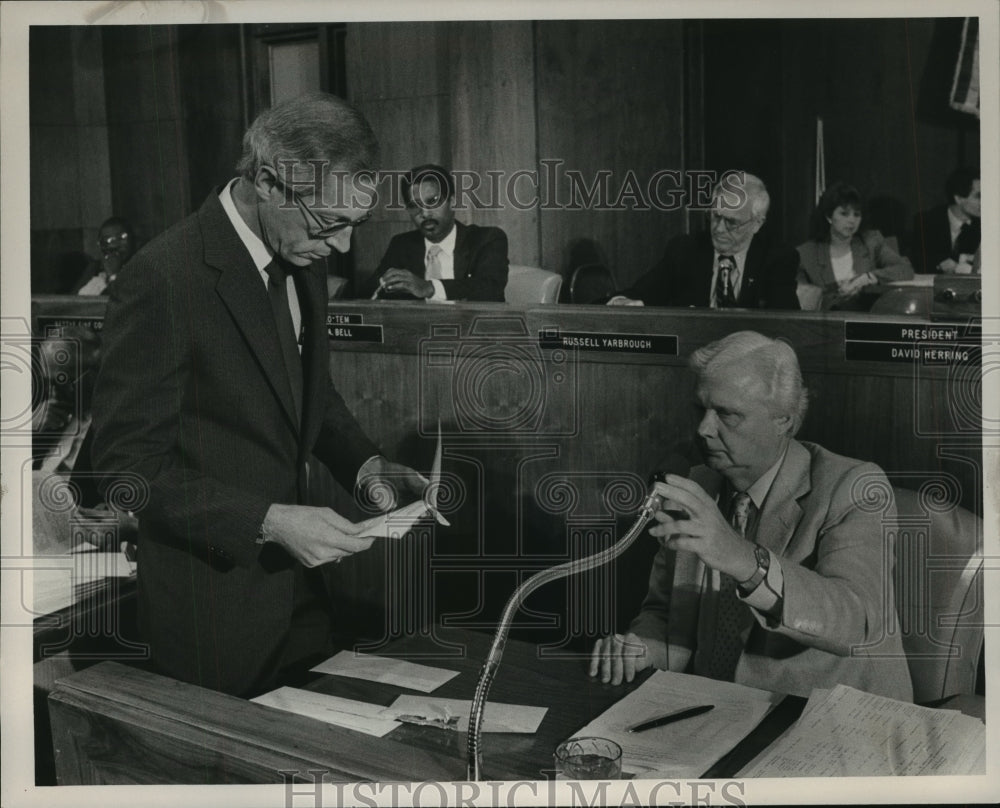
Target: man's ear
784 423
759 223
264 182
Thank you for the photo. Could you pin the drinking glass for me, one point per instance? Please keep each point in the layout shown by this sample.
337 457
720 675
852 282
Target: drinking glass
588 759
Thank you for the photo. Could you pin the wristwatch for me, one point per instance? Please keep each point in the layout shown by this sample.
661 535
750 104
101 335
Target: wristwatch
763 558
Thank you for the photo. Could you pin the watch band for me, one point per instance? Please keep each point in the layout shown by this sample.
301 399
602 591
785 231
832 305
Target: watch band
763 565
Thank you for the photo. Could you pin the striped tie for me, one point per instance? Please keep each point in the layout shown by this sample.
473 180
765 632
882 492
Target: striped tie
732 615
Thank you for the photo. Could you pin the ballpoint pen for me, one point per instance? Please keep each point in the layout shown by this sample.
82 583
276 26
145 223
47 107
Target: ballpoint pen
670 718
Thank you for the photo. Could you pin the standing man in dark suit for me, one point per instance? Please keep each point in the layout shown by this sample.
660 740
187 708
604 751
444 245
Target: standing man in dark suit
726 267
946 238
215 391
442 259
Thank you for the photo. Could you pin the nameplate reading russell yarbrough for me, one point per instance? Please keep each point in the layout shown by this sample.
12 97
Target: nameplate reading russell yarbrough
913 342
663 344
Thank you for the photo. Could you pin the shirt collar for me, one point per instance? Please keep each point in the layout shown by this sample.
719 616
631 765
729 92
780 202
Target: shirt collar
740 258
759 490
259 252
447 244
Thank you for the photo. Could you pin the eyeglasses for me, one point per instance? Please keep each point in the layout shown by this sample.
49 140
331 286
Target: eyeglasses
731 225
321 230
114 241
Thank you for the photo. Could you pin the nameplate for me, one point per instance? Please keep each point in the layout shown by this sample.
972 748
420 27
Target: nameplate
50 325
662 344
909 342
355 333
344 319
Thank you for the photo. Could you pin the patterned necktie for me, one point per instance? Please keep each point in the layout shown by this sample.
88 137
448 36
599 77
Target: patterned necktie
725 283
277 291
433 263
731 614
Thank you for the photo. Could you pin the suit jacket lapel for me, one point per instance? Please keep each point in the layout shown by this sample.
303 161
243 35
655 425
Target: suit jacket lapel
243 292
415 251
782 511
751 272
311 285
703 280
462 262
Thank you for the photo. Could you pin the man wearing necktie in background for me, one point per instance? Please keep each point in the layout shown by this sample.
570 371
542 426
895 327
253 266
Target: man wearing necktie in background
215 389
769 573
442 259
946 238
726 267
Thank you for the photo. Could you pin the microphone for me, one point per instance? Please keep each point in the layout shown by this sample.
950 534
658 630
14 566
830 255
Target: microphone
674 463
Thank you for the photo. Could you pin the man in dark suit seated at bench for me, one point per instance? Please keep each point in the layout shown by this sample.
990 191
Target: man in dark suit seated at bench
727 267
442 259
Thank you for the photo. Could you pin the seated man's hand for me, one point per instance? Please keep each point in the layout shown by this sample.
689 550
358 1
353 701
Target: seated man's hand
384 483
948 265
615 657
621 300
705 532
313 536
402 280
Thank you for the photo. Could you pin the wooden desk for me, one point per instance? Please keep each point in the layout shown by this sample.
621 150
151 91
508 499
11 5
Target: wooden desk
114 725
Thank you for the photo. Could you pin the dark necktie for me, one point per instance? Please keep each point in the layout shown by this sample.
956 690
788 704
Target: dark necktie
277 291
725 297
732 615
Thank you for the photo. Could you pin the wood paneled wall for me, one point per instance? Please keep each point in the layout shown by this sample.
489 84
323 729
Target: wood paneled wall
546 453
69 147
611 99
876 84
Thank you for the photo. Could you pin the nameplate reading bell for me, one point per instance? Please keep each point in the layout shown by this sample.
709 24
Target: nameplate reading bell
909 342
349 328
664 344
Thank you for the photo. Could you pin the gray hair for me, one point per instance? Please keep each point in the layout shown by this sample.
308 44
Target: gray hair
772 361
316 128
742 185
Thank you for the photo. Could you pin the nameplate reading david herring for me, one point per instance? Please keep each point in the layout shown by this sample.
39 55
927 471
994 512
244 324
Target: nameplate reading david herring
664 344
909 343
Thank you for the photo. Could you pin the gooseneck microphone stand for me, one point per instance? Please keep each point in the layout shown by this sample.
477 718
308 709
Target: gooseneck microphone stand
475 752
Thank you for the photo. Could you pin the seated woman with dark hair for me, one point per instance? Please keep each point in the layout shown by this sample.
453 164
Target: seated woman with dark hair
840 257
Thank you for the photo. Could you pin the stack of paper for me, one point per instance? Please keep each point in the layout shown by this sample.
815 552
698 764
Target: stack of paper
60 581
685 748
386 670
848 733
356 715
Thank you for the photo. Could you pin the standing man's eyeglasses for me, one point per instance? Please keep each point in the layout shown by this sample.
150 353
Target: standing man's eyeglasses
319 230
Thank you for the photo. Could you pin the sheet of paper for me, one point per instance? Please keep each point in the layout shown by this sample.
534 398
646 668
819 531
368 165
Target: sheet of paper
398 523
356 715
685 748
386 670
454 714
849 733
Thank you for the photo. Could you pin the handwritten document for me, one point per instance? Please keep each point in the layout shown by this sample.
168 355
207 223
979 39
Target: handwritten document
454 714
386 670
348 713
848 733
685 748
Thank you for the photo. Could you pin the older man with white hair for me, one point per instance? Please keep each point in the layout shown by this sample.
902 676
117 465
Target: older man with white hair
770 573
729 266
